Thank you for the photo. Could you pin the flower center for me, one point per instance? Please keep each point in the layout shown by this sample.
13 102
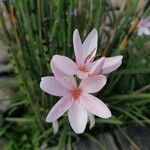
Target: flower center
83 69
76 93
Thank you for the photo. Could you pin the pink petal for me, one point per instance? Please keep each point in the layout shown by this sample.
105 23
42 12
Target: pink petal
146 31
140 32
65 64
57 72
93 84
140 24
59 109
144 22
147 23
51 86
90 44
143 30
96 66
111 64
66 80
82 75
77 47
95 106
77 117
92 120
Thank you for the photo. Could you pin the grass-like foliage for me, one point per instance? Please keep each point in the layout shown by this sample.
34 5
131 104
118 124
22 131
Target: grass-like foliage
35 30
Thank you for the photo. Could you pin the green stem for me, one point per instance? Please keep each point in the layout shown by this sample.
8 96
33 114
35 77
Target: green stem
19 120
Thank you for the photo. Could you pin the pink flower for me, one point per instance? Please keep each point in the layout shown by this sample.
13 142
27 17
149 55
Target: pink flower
76 100
144 26
85 53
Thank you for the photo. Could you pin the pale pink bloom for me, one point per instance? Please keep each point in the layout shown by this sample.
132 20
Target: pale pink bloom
84 54
144 26
76 100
